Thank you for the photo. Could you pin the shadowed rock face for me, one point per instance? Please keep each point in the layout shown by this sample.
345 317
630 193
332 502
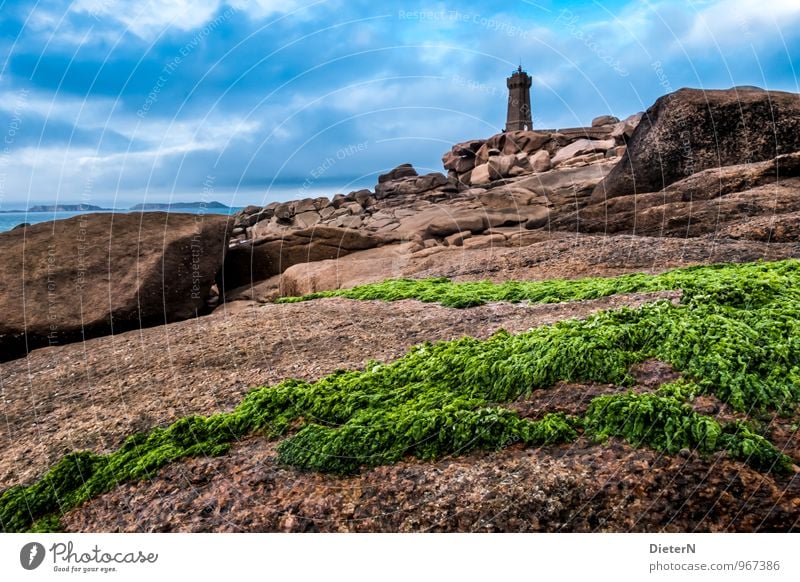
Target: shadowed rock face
693 130
98 274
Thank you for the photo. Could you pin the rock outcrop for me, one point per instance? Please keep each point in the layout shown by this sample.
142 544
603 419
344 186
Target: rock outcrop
99 274
262 258
515 188
758 201
692 130
521 153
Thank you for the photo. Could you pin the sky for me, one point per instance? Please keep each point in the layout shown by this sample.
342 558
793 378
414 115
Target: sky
117 102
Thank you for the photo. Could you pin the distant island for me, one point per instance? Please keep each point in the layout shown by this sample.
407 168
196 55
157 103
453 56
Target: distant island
142 207
152 206
65 208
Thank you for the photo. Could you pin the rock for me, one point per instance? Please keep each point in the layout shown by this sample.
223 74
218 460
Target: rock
581 147
381 223
272 255
566 178
349 221
481 175
429 182
307 219
540 161
321 202
693 130
284 211
583 160
502 164
623 130
304 205
527 237
540 219
411 186
746 200
485 152
338 200
604 120
485 241
327 212
362 197
457 239
616 152
248 210
358 268
535 141
350 208
509 198
93 274
444 224
388 226
22 226
441 220
401 171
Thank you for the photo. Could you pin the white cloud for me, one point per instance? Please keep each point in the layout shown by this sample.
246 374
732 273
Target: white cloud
738 22
148 19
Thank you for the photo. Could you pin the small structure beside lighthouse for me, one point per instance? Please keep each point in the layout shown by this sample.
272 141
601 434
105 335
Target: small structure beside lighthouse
519 101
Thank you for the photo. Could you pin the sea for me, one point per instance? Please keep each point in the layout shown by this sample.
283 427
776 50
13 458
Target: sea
9 220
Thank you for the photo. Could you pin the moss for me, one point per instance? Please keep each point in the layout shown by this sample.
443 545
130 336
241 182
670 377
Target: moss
736 334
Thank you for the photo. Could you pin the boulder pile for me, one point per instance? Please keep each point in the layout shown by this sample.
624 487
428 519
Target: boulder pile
518 153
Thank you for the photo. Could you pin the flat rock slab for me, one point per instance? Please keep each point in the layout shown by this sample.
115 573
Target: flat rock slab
93 395
579 487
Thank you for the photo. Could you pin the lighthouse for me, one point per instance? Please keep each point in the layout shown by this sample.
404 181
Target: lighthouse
519 101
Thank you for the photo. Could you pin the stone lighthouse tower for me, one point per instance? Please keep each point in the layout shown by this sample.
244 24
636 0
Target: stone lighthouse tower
519 101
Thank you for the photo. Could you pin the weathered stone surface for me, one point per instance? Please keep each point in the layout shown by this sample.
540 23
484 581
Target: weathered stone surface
510 197
284 211
540 161
719 200
693 130
440 220
584 159
604 120
485 152
502 164
321 202
485 241
304 205
101 273
410 186
401 171
349 221
272 255
623 130
481 175
538 218
362 197
581 147
457 239
307 219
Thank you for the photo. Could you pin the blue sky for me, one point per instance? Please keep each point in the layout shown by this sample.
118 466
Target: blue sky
114 102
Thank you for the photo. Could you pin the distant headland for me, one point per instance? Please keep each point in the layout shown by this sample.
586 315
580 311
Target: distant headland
145 206
172 206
